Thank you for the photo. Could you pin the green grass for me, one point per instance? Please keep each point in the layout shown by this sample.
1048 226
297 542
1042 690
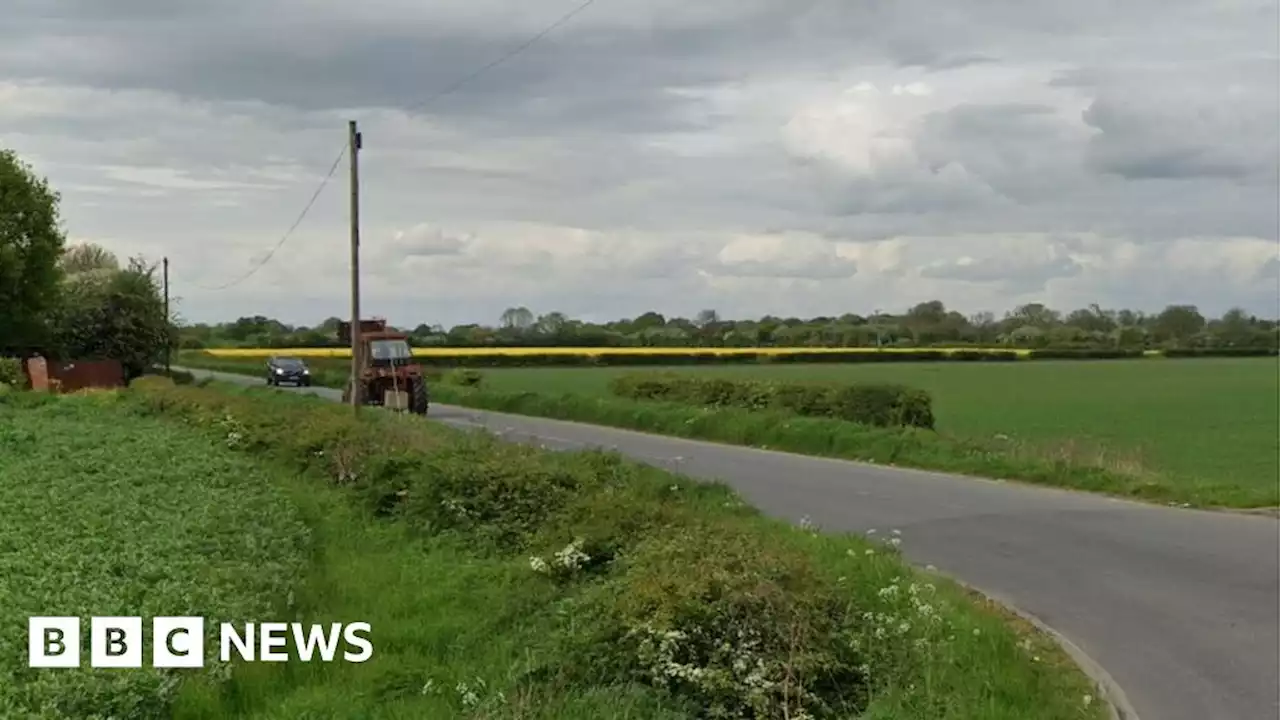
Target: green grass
441 614
1203 432
453 597
105 513
1214 420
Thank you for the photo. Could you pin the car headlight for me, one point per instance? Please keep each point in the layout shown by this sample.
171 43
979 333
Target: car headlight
306 371
279 371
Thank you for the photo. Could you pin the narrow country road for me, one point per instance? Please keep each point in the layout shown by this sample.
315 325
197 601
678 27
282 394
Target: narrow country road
1181 607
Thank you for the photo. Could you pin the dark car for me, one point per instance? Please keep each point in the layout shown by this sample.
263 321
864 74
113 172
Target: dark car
282 370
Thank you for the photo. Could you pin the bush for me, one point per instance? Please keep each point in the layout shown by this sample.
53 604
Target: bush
880 405
739 623
464 377
1084 354
12 373
1221 352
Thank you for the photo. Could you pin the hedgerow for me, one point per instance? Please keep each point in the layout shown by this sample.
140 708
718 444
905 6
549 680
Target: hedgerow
879 405
674 584
1085 354
1220 352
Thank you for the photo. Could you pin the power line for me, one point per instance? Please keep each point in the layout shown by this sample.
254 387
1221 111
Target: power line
315 196
445 91
503 58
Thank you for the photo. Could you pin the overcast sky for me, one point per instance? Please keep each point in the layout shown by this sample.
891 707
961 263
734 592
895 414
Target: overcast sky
791 157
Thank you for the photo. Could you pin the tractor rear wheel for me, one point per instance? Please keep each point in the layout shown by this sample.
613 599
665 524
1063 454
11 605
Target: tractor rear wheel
418 400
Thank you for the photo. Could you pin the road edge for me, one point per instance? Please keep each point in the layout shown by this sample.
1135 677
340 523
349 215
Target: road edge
1109 691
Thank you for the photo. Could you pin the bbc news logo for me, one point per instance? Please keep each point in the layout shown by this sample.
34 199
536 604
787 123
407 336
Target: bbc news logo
178 642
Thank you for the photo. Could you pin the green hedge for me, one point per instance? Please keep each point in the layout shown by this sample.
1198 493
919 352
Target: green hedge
1221 352
11 373
1085 354
880 405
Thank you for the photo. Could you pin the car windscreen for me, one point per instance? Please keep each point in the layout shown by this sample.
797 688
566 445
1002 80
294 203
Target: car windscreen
289 363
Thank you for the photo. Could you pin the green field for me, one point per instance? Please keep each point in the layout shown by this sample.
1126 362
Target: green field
1207 419
1204 432
251 506
110 514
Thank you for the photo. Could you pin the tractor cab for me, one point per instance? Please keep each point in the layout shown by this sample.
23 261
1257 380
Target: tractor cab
388 351
387 375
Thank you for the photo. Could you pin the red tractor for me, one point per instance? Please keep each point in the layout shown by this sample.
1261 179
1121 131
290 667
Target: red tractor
388 376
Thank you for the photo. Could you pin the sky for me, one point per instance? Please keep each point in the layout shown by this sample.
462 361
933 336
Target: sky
784 157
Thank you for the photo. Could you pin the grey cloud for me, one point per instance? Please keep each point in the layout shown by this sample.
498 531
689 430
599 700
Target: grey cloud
583 131
1022 151
1017 279
1270 272
616 75
426 241
1168 124
813 267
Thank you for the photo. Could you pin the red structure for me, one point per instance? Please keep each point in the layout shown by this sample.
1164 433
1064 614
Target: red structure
68 377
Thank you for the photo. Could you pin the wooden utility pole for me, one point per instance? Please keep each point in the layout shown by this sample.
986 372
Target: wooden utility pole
168 325
353 143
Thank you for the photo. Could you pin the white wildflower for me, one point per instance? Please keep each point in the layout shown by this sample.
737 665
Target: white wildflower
572 557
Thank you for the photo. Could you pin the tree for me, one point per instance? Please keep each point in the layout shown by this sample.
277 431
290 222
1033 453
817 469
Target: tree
1034 314
1092 319
648 320
552 324
517 318
87 258
31 242
926 313
1236 327
1179 323
121 318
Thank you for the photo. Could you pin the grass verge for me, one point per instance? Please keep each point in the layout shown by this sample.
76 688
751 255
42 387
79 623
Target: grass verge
1079 464
607 588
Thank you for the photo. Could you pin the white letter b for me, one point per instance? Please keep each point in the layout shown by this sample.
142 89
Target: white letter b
53 642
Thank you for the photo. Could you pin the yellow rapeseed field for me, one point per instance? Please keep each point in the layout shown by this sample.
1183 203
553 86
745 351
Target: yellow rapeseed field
479 352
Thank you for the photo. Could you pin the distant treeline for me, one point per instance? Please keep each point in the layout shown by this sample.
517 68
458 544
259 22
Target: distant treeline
928 324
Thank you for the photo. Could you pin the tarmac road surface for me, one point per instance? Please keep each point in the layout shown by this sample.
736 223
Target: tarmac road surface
1181 607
